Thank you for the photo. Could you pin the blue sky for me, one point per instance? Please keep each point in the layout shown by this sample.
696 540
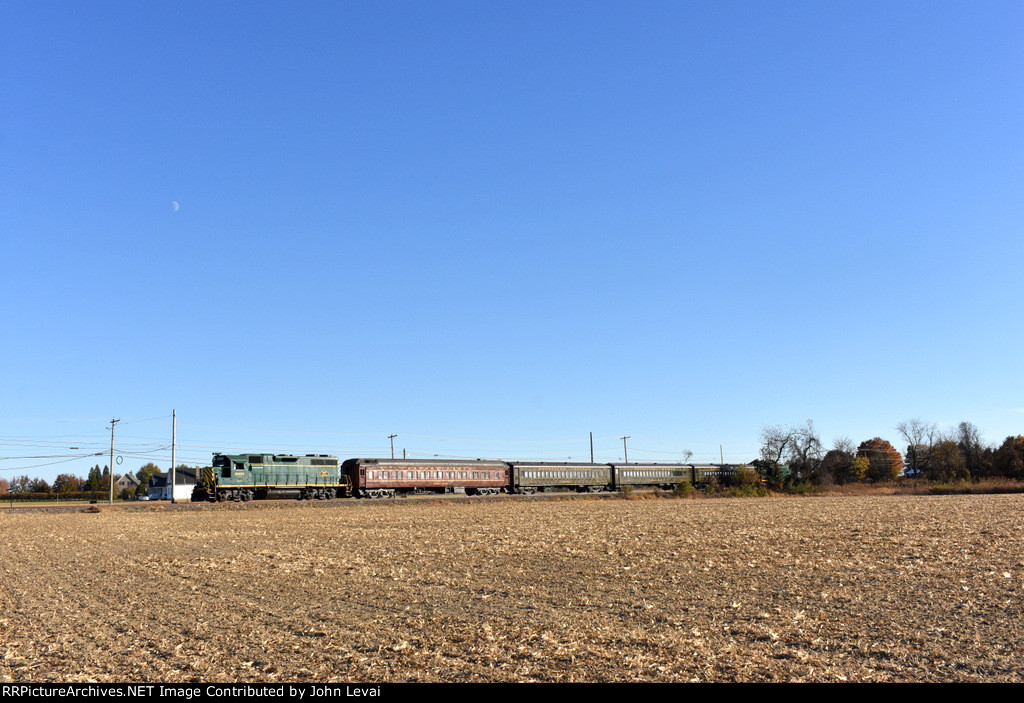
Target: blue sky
494 227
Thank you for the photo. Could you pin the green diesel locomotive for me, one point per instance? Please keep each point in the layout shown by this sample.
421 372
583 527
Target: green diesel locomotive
242 477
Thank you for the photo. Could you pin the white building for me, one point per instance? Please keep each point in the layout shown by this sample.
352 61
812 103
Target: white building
184 482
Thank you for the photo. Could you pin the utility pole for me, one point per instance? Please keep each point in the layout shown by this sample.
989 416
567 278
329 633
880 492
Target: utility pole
392 438
591 447
174 432
112 423
624 452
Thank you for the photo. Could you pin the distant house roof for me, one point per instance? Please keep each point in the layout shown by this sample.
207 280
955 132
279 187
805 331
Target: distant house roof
182 477
127 481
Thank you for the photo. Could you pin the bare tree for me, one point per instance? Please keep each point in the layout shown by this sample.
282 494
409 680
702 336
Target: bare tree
793 444
774 441
805 451
798 446
920 437
844 444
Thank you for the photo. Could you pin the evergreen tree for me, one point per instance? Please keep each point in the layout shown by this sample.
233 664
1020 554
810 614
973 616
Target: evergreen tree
95 480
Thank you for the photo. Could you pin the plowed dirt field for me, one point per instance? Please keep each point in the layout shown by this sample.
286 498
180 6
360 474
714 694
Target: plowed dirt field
889 588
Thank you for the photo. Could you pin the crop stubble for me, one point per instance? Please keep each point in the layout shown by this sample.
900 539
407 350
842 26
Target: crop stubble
786 589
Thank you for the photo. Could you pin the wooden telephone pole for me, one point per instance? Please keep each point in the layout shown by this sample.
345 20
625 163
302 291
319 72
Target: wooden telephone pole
174 432
112 423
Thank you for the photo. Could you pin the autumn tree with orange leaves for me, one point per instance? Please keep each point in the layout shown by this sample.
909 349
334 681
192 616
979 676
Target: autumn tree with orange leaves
884 460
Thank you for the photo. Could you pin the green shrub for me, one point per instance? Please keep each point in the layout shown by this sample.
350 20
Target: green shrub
684 490
804 488
741 492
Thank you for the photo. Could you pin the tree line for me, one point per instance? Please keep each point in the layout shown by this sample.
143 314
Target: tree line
72 486
788 454
796 454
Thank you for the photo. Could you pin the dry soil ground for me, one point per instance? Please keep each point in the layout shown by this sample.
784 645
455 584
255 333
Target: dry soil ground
887 588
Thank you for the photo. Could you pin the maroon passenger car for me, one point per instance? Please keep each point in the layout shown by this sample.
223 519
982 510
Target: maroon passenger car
380 478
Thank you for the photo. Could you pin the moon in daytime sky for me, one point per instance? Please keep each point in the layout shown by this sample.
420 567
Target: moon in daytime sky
174 205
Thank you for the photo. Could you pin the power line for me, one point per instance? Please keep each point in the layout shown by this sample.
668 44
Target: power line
152 419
